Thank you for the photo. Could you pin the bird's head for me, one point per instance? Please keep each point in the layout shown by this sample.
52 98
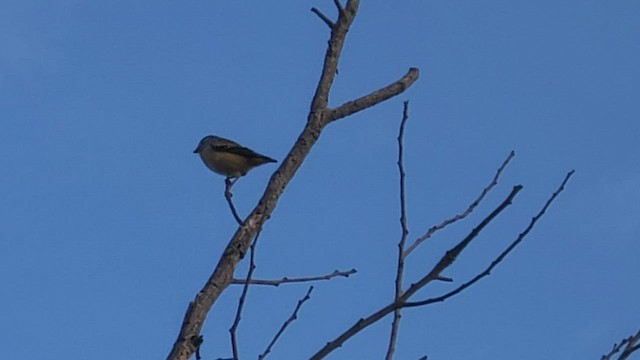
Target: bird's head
209 140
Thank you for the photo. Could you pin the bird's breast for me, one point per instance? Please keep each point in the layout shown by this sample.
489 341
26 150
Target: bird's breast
224 163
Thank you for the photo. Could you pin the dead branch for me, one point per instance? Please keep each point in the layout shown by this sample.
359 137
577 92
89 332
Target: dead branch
465 213
631 345
338 6
452 254
375 97
291 319
241 300
228 195
446 260
287 280
403 238
323 17
500 257
317 119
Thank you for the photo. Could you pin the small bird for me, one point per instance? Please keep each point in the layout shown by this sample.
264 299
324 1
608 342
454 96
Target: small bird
228 158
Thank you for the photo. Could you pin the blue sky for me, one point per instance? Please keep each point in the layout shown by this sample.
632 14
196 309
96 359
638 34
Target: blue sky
110 224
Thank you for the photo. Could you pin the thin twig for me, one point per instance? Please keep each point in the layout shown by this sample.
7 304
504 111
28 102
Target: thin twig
501 257
291 319
228 195
323 17
245 290
403 237
446 260
630 347
465 213
287 280
451 255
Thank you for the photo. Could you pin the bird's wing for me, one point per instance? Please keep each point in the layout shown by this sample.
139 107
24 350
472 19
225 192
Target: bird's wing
220 141
238 150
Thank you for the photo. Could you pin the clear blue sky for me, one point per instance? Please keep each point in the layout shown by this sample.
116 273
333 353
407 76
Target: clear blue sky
110 224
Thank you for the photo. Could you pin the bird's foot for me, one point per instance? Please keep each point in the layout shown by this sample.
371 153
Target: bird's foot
228 184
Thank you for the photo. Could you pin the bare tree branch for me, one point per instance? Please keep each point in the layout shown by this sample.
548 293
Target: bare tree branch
501 257
228 195
468 211
291 319
375 97
338 6
243 296
451 255
287 280
323 17
317 119
630 346
336 42
446 260
403 238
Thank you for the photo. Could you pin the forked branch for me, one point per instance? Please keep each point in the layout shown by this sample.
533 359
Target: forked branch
237 247
446 260
498 260
465 213
628 346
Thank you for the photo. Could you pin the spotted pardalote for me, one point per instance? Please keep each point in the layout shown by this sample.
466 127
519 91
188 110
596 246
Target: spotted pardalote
228 158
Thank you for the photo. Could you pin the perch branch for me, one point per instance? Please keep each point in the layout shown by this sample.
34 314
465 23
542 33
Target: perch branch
228 195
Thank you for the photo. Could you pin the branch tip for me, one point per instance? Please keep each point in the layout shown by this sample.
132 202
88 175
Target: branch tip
290 280
292 318
502 255
433 229
323 17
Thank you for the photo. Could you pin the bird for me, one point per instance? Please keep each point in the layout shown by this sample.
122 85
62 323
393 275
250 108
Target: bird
228 158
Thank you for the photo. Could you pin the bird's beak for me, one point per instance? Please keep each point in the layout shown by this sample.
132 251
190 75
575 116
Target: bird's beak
196 150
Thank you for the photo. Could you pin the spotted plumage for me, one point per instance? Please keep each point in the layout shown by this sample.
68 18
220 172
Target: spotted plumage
227 157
